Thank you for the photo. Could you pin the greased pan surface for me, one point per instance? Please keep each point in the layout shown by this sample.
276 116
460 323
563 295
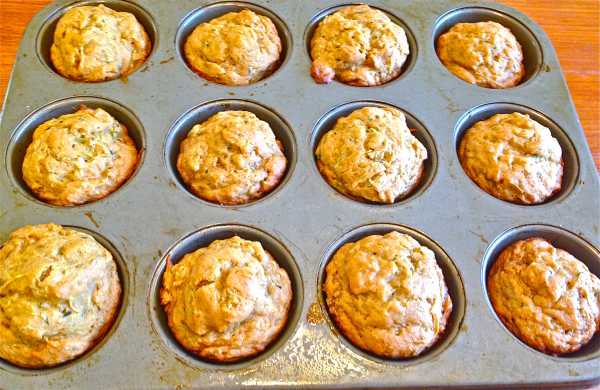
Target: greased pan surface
304 221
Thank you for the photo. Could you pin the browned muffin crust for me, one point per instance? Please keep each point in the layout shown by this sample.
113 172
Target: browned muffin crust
484 53
545 296
59 295
238 48
226 301
95 43
387 295
79 158
232 158
513 158
358 45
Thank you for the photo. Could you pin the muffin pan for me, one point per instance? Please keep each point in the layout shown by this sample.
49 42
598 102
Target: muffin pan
301 222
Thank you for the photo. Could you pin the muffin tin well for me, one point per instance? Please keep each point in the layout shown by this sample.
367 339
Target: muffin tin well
533 58
202 238
201 113
451 277
124 278
569 154
559 238
304 220
23 135
328 121
412 42
45 35
208 12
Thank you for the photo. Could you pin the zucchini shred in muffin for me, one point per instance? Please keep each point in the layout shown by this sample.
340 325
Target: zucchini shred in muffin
545 296
237 48
387 295
358 45
513 158
484 53
79 158
227 301
96 43
232 158
59 295
372 155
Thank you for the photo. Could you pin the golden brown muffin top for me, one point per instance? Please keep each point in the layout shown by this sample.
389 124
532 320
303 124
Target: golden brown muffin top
371 154
387 295
484 53
96 43
544 295
59 294
78 158
237 48
227 301
513 158
231 158
358 45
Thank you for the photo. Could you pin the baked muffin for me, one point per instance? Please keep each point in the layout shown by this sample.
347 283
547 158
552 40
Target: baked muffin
387 295
95 43
78 158
227 301
513 158
231 158
237 48
372 155
545 296
59 295
358 45
484 53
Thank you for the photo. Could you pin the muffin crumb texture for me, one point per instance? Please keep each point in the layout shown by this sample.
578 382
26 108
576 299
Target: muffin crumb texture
358 45
96 43
371 155
237 48
387 295
226 301
513 158
79 157
545 296
59 294
231 158
484 53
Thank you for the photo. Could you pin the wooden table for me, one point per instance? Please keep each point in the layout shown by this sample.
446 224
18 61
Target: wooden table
573 27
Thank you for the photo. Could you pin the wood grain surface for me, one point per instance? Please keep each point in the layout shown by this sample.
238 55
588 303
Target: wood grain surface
573 27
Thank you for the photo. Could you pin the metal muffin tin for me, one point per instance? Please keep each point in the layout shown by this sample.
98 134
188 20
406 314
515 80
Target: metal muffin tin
304 220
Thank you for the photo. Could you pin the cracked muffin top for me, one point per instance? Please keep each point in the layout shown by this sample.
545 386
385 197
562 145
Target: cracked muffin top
226 301
387 295
96 43
513 158
59 294
484 53
358 45
372 155
231 158
237 48
78 158
545 296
